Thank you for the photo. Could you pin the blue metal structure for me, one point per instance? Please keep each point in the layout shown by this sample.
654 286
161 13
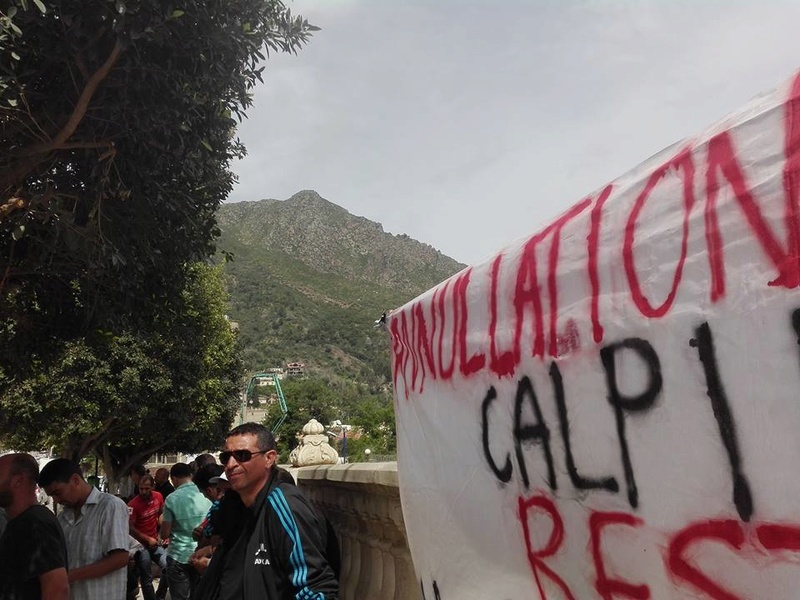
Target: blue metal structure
253 382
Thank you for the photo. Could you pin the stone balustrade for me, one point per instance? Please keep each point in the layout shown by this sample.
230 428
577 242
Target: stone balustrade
362 501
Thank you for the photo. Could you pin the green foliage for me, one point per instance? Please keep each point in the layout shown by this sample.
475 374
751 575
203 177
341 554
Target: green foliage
307 283
9 34
86 385
374 418
370 416
125 396
279 324
117 129
309 279
306 399
118 121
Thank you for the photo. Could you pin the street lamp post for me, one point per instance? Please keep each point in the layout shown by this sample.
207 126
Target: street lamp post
335 435
343 427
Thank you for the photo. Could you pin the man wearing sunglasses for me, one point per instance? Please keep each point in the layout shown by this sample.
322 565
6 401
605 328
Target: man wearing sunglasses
279 551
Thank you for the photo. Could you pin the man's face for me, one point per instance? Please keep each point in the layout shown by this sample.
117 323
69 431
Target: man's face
66 494
6 494
145 489
250 475
161 476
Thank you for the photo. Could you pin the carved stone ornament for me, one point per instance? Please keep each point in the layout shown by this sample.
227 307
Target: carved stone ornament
313 448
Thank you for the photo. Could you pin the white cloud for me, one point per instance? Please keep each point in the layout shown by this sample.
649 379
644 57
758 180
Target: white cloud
469 124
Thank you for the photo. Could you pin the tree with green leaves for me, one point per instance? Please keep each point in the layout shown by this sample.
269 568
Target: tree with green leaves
306 399
370 416
117 129
118 121
125 396
373 417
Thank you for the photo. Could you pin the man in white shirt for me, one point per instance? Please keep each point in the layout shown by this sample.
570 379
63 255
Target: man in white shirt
95 526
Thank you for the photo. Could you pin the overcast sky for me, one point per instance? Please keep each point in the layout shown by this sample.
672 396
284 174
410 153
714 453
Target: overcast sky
467 124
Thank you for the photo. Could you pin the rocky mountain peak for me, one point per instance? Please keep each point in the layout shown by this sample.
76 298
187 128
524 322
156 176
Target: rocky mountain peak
327 238
309 279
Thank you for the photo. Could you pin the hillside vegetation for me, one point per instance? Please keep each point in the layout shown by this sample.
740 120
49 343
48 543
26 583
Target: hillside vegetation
308 280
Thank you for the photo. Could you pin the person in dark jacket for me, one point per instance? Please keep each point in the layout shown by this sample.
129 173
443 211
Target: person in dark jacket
279 550
163 485
332 551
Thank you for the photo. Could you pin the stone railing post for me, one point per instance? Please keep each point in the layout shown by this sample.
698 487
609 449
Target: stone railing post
362 501
313 448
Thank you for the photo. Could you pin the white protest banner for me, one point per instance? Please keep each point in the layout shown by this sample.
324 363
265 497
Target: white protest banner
610 408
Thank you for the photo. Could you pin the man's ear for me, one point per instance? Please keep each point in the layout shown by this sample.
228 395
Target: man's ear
272 457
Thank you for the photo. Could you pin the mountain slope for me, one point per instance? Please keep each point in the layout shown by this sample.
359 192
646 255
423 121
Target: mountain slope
309 279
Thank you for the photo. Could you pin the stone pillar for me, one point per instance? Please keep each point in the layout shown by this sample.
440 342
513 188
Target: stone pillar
314 447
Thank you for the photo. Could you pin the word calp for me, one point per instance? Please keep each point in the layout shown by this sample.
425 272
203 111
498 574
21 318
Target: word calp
538 431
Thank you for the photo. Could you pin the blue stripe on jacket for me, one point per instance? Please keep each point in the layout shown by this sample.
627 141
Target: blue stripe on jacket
297 558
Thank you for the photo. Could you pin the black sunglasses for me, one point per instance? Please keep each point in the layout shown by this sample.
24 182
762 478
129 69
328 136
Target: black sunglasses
241 456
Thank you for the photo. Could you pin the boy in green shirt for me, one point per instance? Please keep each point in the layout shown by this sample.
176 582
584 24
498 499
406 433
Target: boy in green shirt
184 510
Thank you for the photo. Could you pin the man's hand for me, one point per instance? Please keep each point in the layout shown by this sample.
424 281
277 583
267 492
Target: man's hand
197 533
163 535
200 559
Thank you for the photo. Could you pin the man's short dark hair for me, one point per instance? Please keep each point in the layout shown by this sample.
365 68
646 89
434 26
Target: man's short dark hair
202 479
145 478
59 470
203 460
180 471
25 464
266 441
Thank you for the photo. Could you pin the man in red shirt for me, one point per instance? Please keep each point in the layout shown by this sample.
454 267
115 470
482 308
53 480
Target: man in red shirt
145 510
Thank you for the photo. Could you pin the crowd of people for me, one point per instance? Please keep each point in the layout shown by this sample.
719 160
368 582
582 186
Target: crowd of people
234 530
